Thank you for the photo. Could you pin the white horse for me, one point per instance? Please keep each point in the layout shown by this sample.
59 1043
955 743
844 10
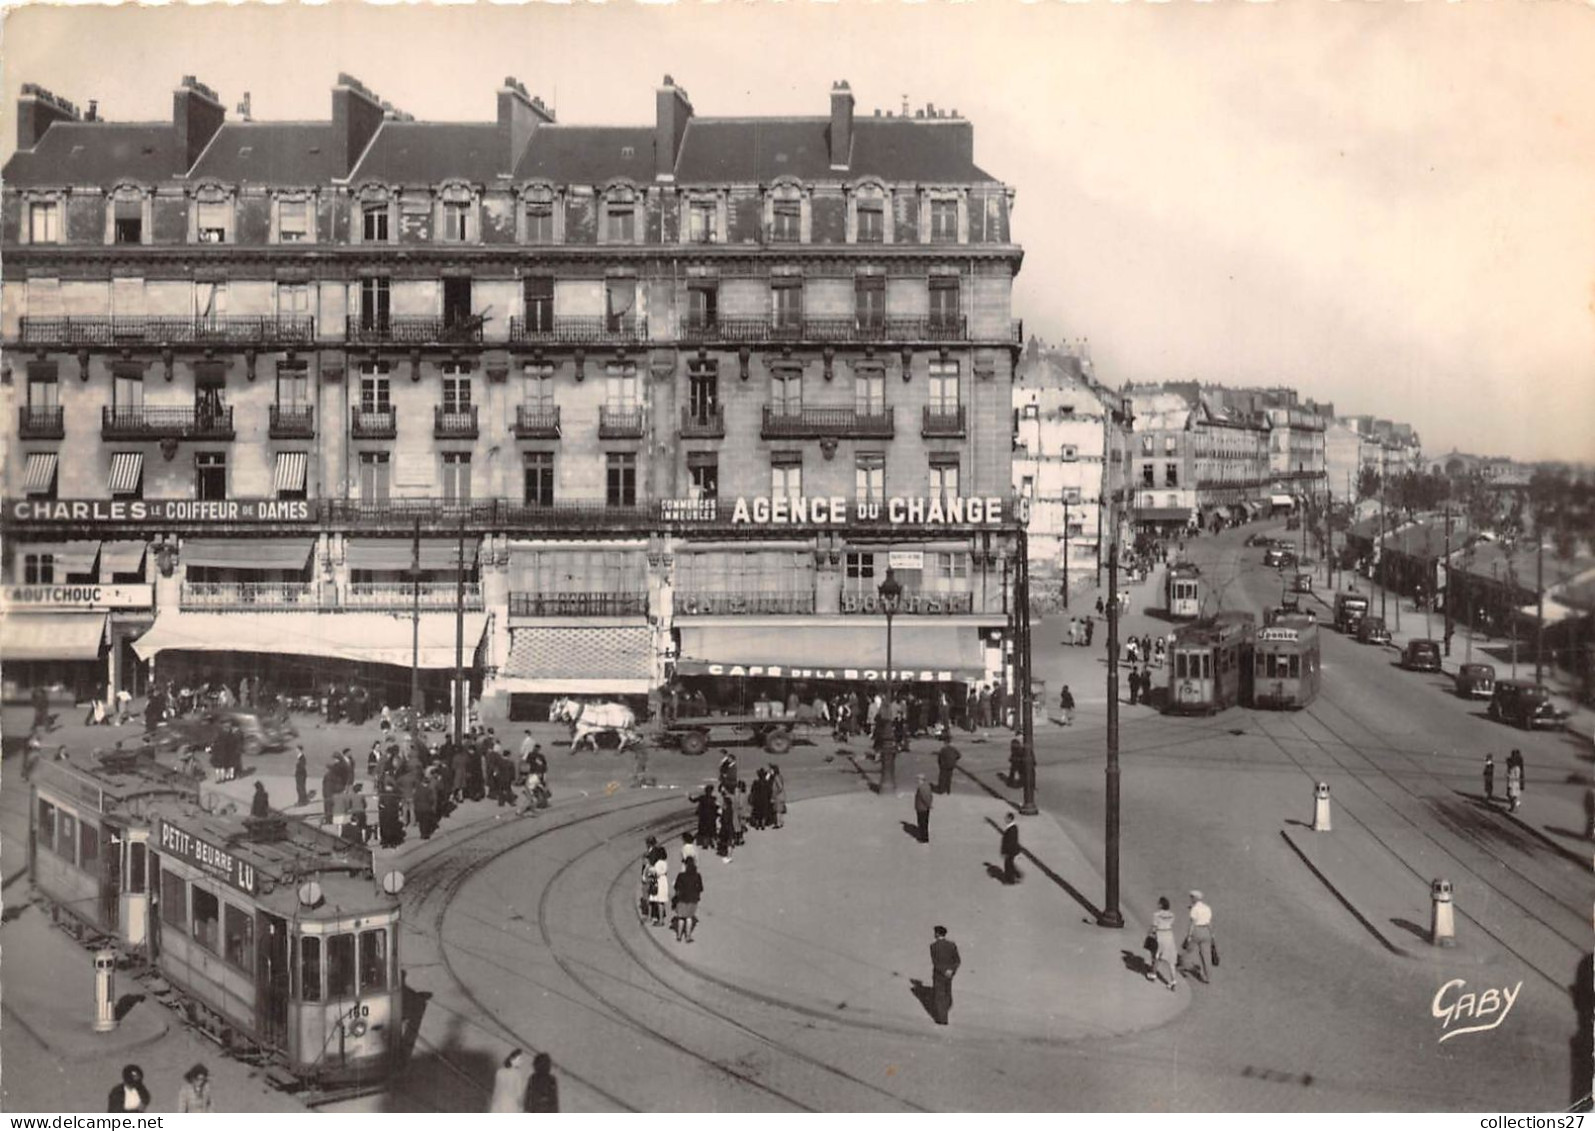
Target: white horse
589 720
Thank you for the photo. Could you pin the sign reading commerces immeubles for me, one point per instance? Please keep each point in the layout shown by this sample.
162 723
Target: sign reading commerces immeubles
159 510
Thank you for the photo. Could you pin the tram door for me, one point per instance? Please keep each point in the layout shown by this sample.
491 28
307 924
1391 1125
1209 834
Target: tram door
272 978
155 911
110 877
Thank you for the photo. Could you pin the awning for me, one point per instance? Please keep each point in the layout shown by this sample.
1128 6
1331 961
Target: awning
38 477
1163 514
248 553
589 661
290 472
398 553
127 468
1281 501
375 638
855 649
121 557
52 636
67 557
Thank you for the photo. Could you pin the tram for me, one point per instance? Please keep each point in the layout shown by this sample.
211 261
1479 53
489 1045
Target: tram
1285 663
1210 667
1182 591
273 936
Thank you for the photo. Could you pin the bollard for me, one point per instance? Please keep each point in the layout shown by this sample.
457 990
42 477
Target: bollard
104 991
1321 808
1442 922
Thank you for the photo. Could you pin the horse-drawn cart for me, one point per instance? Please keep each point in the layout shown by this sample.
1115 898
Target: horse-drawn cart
693 735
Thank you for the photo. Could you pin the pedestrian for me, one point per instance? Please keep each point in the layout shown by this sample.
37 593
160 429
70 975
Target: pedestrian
777 796
659 893
689 890
1514 786
946 760
1016 762
130 1094
1066 705
708 814
426 806
260 804
1074 631
542 1090
194 1095
1162 935
1134 680
1099 605
1198 944
999 705
759 798
739 805
1010 849
944 963
301 775
1091 624
1516 759
689 849
728 770
983 708
1489 777
509 1084
726 828
888 751
922 804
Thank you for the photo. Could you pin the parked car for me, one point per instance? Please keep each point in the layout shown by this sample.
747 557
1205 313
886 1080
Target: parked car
1421 656
1372 630
199 732
1302 583
1476 681
1279 556
1259 540
1526 704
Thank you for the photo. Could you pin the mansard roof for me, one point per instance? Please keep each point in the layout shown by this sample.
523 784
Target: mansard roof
97 153
291 154
427 153
589 155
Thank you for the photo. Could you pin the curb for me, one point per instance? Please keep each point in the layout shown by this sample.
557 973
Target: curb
1341 896
88 1054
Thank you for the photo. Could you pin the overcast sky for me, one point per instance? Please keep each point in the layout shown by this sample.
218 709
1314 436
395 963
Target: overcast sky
1388 206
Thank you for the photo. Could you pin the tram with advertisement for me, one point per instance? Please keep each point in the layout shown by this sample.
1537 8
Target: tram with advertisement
1210 664
1285 663
1182 591
273 937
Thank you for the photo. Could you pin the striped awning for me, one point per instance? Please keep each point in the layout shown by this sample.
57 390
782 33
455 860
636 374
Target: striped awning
290 472
38 478
121 557
127 469
249 553
52 636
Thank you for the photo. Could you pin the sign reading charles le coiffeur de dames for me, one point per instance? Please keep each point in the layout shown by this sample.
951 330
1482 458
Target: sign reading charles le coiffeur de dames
159 510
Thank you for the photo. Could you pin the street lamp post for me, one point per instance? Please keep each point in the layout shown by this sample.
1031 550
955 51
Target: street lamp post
1110 915
891 592
1026 703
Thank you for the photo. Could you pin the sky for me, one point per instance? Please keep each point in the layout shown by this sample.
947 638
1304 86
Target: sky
1390 207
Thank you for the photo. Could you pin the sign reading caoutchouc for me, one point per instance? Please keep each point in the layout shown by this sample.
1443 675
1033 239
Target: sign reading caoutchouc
86 596
159 510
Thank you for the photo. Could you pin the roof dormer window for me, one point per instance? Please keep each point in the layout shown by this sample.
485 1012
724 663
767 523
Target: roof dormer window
619 222
44 222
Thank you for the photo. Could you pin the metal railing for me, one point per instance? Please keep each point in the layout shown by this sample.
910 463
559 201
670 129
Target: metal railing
130 329
580 330
537 422
412 329
771 604
705 424
35 423
146 422
619 423
454 424
845 329
814 423
578 604
248 595
374 424
402 594
942 421
293 422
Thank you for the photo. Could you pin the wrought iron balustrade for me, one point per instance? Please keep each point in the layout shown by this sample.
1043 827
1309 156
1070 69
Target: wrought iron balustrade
537 421
767 604
814 423
374 424
946 421
248 595
159 422
41 423
293 422
704 424
400 595
454 424
578 604
155 329
579 330
413 329
619 423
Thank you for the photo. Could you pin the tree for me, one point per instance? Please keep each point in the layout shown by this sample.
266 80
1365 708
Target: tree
1367 482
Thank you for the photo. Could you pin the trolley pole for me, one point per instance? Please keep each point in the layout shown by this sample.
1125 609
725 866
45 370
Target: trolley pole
1448 589
1329 538
1066 553
1027 704
459 643
1539 597
1110 915
415 630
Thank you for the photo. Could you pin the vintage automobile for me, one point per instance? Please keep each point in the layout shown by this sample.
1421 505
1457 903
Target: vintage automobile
1372 630
1421 656
1260 540
198 732
1302 583
1279 556
1526 704
1476 681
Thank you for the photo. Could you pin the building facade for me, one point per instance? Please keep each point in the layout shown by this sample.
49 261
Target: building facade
593 408
1162 454
1231 452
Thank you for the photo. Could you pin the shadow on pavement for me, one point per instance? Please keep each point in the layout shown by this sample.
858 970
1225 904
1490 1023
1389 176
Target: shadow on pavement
1135 963
924 995
1073 891
910 828
1421 933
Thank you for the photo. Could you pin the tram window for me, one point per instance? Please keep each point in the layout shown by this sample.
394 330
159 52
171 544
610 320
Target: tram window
174 899
1295 667
373 960
1207 665
310 968
207 909
240 932
66 838
340 966
46 825
88 846
135 868
1179 665
1262 664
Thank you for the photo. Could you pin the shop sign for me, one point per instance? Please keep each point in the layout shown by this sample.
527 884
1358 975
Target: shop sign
780 671
905 559
80 596
159 510
688 510
927 603
207 857
837 510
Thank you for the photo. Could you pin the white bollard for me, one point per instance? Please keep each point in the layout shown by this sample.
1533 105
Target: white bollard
1442 921
1321 822
104 991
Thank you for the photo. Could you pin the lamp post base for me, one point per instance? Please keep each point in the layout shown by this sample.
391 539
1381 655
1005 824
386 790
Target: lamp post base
1028 809
1110 919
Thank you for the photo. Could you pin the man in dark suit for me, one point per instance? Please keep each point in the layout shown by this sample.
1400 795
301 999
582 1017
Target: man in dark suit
922 804
1010 849
944 962
946 758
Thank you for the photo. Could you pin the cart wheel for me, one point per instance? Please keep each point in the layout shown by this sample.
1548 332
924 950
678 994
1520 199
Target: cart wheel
778 741
694 742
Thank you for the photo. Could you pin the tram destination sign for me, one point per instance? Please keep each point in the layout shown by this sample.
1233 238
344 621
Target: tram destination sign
207 857
154 511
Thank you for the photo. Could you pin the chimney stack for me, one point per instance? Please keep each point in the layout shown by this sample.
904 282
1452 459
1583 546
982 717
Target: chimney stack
841 125
37 111
519 115
674 109
196 116
356 115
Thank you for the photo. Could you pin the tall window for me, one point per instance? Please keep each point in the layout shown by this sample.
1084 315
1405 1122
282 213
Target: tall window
375 392
703 470
374 223
293 300
456 477
212 220
44 223
456 220
944 221
944 479
620 387
620 218
869 476
127 387
786 220
128 222
44 394
703 391
238 928
786 391
374 477
869 391
456 388
621 480
210 476
1171 475
869 301
456 300
210 399
703 221
871 218
38 569
374 303
538 291
540 479
786 294
293 221
944 303
859 571
620 304
539 386
943 388
786 475
210 300
540 217
703 305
